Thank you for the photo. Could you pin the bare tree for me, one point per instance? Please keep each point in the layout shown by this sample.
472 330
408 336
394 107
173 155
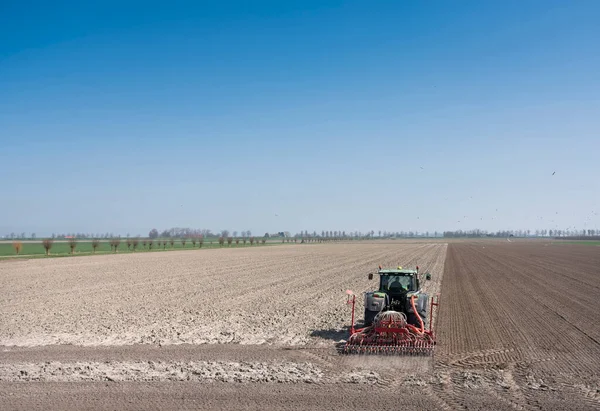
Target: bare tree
47 243
235 233
135 243
183 241
221 241
95 244
264 240
200 242
237 241
150 244
115 242
129 243
144 243
164 244
244 240
229 241
18 246
194 241
72 245
251 240
172 242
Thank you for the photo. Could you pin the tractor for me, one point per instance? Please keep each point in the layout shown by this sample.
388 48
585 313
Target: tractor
396 287
395 320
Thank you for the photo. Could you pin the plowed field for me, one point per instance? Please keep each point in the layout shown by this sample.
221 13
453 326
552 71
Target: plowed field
275 295
523 319
518 328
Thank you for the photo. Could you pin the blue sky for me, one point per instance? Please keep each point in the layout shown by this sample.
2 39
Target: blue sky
349 116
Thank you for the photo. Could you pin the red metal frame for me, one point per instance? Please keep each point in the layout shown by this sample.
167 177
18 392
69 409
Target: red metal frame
437 303
391 335
351 300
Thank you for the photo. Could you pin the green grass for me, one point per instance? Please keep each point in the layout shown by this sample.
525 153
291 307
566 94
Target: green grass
62 249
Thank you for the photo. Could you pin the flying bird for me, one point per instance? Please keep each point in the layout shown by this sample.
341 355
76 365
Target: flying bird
554 173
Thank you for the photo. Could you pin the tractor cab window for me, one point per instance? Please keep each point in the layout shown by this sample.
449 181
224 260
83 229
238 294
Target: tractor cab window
395 283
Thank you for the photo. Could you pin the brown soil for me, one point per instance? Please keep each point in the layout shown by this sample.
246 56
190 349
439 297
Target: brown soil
516 330
525 315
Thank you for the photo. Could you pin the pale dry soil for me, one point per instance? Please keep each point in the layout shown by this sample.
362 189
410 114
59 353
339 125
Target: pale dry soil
277 295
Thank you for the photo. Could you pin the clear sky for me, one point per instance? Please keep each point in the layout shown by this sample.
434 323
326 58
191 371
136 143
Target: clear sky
288 115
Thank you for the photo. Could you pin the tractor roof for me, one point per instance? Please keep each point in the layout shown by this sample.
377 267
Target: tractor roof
396 271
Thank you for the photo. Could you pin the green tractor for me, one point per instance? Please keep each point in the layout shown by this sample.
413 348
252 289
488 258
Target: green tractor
396 289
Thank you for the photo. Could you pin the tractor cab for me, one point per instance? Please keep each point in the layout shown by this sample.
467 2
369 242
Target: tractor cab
397 281
396 288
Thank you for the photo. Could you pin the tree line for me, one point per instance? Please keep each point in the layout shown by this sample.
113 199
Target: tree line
568 233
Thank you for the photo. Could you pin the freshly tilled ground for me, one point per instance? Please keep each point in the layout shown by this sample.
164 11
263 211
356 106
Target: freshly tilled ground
517 329
276 295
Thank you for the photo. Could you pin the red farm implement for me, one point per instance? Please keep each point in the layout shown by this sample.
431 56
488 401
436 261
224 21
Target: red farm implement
395 317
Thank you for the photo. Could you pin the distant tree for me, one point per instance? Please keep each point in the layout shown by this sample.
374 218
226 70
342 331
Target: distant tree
244 240
33 236
134 243
129 241
172 242
225 233
152 234
237 241
95 244
150 244
229 241
221 241
200 242
183 241
194 241
72 245
264 240
251 240
18 246
164 244
114 244
235 233
144 243
47 243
